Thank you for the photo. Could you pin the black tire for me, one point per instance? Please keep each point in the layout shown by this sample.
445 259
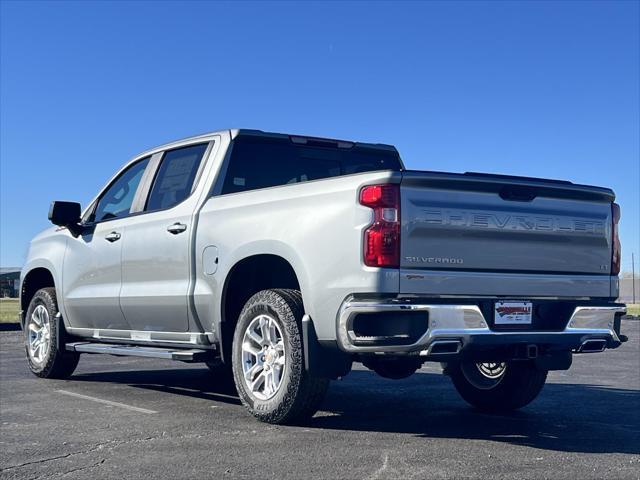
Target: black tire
55 363
299 395
518 386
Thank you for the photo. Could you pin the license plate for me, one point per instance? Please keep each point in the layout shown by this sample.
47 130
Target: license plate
512 313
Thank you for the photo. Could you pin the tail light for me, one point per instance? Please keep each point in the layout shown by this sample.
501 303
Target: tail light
616 251
382 237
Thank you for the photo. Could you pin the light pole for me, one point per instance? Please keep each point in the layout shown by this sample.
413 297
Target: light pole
633 277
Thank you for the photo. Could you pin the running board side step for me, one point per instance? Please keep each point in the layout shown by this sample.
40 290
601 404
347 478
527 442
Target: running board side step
186 355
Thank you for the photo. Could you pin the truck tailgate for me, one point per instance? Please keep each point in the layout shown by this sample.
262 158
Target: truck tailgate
499 224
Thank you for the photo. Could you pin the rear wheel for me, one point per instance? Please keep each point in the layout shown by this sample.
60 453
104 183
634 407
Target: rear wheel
268 361
496 387
42 331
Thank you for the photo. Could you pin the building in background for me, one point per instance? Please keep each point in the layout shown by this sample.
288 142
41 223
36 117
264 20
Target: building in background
9 281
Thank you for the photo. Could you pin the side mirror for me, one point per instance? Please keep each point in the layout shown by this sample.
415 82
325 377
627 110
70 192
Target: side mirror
66 214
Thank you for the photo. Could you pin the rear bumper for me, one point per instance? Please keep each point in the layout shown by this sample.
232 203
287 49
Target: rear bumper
457 328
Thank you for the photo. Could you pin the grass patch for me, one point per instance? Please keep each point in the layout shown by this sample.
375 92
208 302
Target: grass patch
633 309
9 310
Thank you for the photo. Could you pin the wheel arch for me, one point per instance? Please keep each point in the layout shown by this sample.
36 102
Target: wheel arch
246 277
36 277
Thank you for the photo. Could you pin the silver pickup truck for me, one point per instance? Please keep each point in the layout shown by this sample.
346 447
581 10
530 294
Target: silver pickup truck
282 259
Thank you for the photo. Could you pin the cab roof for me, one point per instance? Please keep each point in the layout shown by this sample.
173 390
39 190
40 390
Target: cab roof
294 138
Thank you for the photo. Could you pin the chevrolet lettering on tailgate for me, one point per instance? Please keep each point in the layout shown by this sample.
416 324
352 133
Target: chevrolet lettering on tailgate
512 222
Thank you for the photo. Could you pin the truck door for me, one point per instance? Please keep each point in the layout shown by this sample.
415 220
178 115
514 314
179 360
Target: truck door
92 275
156 253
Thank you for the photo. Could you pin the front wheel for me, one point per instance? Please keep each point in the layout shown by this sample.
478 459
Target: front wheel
268 361
42 332
497 387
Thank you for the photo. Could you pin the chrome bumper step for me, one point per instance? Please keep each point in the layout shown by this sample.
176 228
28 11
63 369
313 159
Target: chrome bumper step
451 327
186 355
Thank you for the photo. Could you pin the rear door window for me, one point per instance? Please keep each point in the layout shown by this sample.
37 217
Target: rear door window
175 177
259 162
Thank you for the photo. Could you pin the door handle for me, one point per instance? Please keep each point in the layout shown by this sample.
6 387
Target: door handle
176 228
112 237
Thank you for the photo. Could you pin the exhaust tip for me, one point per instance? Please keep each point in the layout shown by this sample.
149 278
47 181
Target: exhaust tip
592 346
445 347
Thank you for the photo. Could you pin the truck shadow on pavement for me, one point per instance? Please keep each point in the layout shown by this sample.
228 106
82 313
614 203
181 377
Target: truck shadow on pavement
566 417
191 382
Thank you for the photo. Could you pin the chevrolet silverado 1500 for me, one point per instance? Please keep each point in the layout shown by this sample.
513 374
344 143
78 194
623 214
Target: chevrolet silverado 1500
282 259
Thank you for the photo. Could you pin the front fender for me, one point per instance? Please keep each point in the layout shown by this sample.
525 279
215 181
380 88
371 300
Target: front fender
46 251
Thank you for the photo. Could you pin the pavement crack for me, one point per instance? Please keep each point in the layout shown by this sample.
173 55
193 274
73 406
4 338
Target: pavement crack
51 459
86 467
35 462
110 445
68 472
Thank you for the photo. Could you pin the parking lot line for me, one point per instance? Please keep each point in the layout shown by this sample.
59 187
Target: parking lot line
107 402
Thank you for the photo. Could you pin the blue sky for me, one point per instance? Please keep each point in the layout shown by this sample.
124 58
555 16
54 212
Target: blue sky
548 89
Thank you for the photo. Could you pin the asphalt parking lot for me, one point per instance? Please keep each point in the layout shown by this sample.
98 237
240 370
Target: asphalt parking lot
140 418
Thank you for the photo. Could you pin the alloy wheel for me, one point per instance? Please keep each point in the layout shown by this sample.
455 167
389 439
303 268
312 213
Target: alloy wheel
39 334
263 357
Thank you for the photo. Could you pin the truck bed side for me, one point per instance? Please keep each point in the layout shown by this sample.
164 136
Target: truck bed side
316 226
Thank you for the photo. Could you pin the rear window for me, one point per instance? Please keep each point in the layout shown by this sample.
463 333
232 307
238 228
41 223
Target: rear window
175 177
259 162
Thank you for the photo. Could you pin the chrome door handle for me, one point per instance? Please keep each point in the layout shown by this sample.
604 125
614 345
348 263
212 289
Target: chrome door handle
176 228
112 237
